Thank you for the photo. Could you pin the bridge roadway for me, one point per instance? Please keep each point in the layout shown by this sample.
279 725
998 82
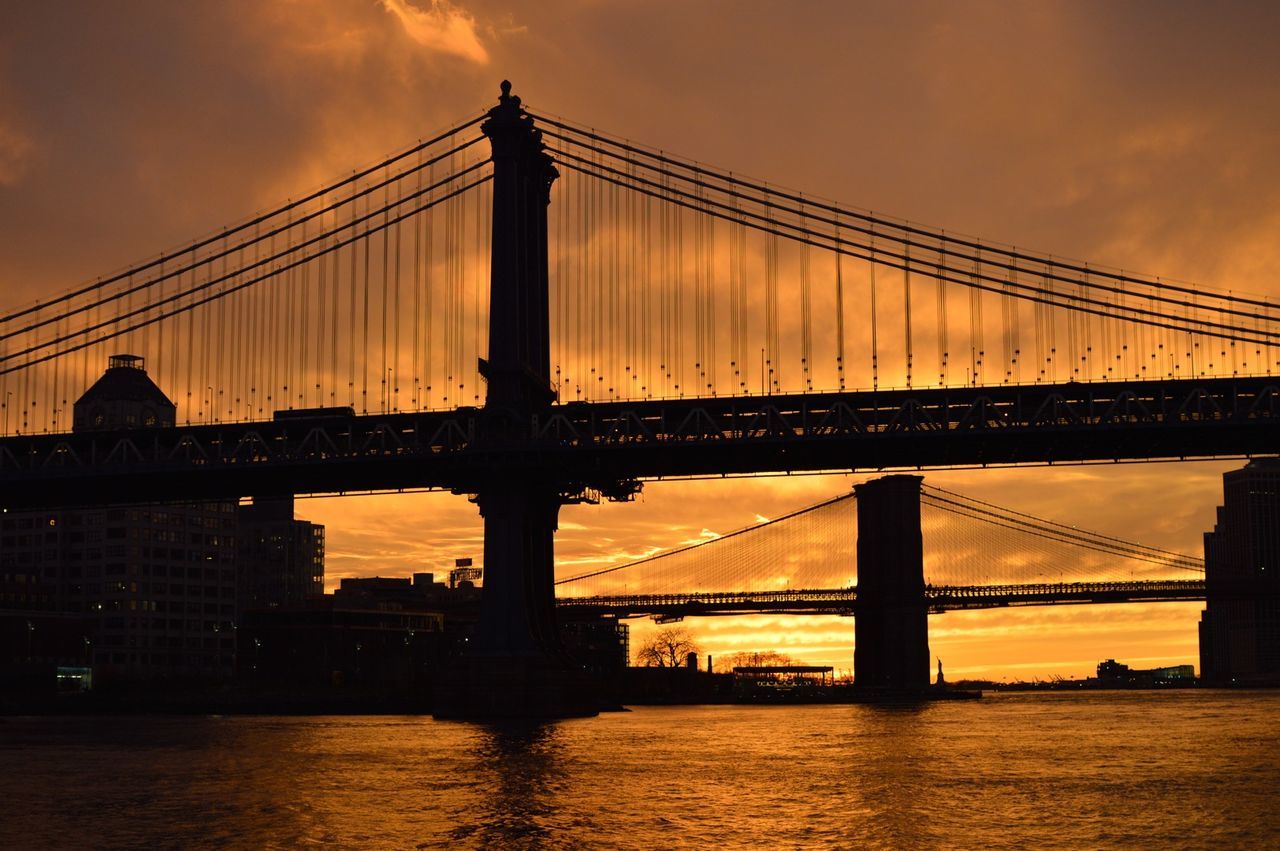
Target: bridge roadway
601 444
844 601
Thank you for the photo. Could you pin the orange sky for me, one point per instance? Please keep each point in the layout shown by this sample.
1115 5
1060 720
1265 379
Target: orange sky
1139 135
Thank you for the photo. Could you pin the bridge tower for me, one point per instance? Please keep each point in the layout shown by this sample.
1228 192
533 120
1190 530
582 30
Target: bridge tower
515 666
891 623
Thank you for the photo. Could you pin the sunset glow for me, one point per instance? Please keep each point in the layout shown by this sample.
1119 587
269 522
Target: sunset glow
130 144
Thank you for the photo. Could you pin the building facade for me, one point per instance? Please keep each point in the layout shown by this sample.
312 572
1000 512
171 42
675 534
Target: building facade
279 559
1240 626
151 591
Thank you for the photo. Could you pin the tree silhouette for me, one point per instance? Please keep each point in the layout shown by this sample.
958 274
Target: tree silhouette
668 648
753 659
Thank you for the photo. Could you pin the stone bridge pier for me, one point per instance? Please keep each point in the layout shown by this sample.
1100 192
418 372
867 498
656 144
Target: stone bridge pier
891 619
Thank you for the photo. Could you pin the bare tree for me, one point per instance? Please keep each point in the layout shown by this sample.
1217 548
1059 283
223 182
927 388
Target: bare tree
752 659
668 648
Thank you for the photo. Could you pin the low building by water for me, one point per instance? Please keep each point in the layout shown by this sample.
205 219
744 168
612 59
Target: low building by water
1113 674
763 682
328 642
394 632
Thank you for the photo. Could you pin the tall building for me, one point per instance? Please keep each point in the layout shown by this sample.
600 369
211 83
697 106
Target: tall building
279 559
1240 626
124 397
147 591
155 584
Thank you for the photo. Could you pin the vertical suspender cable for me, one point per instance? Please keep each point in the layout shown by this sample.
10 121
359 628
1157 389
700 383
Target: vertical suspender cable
875 331
906 307
943 348
323 320
416 320
397 318
386 281
806 314
478 286
839 312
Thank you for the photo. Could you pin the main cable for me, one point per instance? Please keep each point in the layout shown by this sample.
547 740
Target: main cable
1032 294
257 238
727 211
293 249
223 234
245 284
754 528
729 177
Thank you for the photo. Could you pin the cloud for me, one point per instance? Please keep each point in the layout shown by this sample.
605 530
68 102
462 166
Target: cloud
1083 132
443 27
15 153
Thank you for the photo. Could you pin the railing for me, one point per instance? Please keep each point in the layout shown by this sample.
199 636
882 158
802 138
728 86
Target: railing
600 444
939 598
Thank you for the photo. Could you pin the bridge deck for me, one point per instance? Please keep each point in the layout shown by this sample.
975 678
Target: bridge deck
600 444
844 601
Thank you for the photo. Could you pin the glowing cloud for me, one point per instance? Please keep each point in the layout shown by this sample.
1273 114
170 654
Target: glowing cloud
14 150
443 27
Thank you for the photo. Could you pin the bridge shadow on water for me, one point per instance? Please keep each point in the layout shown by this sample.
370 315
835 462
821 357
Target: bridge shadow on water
527 778
519 766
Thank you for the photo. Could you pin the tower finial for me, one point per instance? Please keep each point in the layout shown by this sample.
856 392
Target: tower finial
506 91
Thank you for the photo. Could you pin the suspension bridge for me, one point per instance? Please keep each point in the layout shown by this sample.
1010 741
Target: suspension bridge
567 314
974 555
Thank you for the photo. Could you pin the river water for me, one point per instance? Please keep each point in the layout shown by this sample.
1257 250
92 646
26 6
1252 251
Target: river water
1195 769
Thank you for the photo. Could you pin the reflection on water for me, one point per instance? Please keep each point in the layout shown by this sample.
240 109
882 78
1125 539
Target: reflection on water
1191 768
519 765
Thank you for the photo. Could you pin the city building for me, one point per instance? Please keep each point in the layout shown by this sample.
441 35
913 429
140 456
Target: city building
1116 674
393 631
141 592
602 646
374 631
124 397
334 641
279 559
420 590
155 584
1240 625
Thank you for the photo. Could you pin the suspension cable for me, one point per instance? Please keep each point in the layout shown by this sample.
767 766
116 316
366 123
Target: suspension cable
727 212
891 260
291 250
256 239
220 235
905 227
338 244
688 547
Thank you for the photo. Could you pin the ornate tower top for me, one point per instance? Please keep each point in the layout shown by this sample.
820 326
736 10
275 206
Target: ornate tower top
512 134
518 369
124 397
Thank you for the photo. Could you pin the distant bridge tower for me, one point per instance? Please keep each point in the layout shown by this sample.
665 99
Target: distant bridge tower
516 666
891 621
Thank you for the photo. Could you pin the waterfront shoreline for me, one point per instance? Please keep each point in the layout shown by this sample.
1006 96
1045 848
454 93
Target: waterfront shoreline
302 704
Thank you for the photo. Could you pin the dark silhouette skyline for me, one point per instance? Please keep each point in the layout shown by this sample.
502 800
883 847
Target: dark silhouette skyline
1166 126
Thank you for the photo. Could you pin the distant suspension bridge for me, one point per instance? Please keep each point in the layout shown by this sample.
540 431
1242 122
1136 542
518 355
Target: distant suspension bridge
975 554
